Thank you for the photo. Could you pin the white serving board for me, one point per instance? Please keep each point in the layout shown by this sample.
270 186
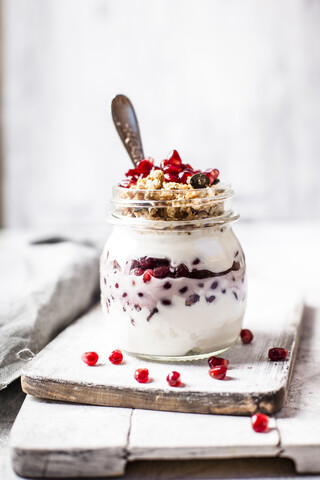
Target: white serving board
253 383
54 439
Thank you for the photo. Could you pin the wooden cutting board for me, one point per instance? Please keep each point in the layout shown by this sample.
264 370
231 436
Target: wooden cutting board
253 382
59 439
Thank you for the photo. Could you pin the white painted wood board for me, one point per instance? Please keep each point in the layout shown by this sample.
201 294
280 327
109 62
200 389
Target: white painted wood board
253 382
153 435
53 439
299 421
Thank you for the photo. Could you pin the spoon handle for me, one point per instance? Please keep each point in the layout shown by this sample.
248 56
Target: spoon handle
126 123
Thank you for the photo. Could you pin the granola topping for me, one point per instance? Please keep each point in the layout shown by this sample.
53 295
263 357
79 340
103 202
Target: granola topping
173 191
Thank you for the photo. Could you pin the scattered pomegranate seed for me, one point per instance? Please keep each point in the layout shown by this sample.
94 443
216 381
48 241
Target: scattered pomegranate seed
216 361
116 357
175 158
277 354
90 358
246 335
218 372
260 422
148 274
141 375
174 379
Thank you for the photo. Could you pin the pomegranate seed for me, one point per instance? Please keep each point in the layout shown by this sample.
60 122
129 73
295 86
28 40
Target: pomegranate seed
215 173
138 272
145 166
132 172
219 372
208 174
175 158
164 163
260 422
116 357
174 379
141 375
90 358
169 177
277 354
148 274
246 335
174 169
186 166
216 361
183 176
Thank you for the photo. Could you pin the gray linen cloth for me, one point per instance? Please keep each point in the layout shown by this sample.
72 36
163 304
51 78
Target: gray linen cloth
43 288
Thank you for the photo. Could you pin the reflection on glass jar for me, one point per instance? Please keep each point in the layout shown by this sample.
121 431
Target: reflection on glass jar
173 288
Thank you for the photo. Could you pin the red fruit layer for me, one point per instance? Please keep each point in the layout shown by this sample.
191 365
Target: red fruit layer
161 268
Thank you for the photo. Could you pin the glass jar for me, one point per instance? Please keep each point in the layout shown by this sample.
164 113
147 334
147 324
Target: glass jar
173 281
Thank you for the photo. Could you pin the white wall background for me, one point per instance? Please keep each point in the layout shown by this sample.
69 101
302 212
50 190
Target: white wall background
232 84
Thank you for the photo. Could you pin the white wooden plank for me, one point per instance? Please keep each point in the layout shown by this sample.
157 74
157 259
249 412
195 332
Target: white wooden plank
276 324
299 421
170 435
63 440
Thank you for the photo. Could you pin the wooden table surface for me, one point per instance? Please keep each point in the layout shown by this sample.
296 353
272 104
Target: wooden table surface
289 249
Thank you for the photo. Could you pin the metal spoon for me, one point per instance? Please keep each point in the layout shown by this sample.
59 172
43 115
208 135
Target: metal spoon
126 123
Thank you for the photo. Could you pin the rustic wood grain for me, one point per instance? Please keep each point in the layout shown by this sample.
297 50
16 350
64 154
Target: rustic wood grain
253 382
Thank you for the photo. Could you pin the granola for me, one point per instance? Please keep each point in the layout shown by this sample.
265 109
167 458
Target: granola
167 193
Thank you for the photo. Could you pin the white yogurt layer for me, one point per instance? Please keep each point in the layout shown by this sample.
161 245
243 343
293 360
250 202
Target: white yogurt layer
158 317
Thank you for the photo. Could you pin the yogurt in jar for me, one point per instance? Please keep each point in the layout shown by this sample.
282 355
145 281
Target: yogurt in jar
173 293
173 288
